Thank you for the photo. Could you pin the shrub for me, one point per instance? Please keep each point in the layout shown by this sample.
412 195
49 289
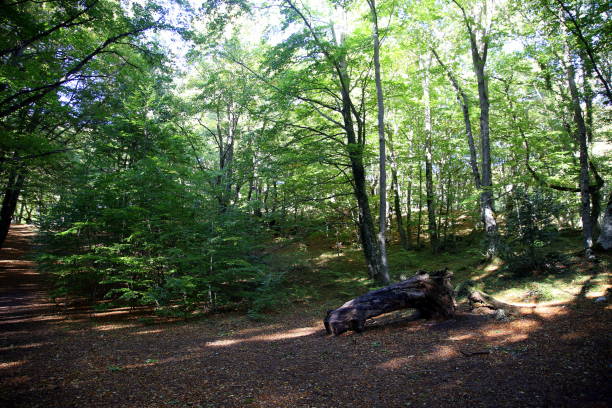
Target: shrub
529 231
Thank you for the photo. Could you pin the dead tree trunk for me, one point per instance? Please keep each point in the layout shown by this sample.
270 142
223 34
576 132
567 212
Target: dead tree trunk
431 294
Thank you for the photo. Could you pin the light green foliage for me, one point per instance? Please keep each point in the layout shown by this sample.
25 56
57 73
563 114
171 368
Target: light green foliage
225 181
130 229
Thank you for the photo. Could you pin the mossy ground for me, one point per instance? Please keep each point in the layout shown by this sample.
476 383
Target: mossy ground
318 273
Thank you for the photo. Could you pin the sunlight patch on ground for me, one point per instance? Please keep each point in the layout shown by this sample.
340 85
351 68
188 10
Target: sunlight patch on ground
115 326
548 311
396 363
145 332
524 324
289 334
516 330
441 353
22 346
224 343
492 267
497 333
461 337
254 330
12 364
516 337
31 319
113 312
327 255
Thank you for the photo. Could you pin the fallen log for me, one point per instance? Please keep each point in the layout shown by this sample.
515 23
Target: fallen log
480 301
430 294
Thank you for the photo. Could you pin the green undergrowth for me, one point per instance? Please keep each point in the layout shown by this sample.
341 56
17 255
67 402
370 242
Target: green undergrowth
321 276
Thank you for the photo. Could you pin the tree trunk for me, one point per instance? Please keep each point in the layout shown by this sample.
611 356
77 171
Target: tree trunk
9 202
479 60
366 223
465 109
431 294
581 138
409 214
419 218
449 200
486 196
398 212
397 205
356 142
605 237
595 211
21 210
429 185
382 227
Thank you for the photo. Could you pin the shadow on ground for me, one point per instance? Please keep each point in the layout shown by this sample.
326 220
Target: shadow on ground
552 356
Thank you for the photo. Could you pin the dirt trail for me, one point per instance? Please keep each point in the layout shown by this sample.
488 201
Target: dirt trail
52 357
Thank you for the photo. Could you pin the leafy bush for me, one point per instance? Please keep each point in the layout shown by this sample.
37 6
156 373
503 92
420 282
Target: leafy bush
146 239
268 295
529 231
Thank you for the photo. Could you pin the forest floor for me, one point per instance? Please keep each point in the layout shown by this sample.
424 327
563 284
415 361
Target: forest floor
51 356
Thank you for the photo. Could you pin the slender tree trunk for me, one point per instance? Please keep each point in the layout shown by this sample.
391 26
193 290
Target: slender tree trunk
274 196
258 193
9 202
588 101
440 207
397 204
595 211
21 209
479 60
581 137
266 193
356 141
486 196
465 109
409 215
382 246
28 218
429 184
366 223
419 222
449 200
398 212
605 238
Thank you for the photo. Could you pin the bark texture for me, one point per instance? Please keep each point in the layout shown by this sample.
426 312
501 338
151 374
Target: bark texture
353 124
463 101
581 138
429 184
9 202
382 235
397 204
605 237
431 294
479 49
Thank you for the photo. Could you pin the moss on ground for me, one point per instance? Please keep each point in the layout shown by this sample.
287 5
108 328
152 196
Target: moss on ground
317 273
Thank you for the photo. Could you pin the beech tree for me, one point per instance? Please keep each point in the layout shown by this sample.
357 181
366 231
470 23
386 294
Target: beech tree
158 182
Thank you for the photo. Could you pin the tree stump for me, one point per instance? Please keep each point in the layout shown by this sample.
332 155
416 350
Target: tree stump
430 294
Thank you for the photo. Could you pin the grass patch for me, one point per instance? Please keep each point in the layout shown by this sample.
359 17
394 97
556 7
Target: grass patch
319 275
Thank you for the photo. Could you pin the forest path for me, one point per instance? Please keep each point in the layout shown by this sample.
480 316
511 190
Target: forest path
52 357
